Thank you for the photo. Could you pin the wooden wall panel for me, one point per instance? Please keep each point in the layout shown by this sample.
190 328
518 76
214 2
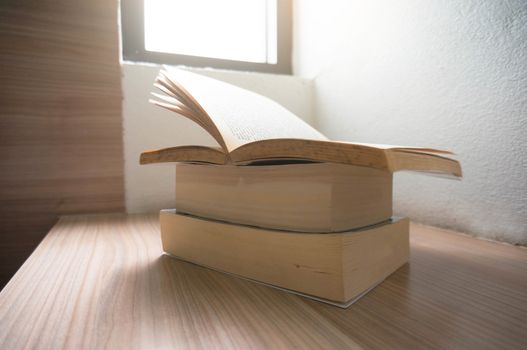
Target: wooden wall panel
60 119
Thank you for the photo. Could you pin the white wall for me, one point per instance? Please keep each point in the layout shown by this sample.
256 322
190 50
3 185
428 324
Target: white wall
152 187
446 74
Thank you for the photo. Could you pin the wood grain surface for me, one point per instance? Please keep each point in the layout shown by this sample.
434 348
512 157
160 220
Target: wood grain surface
60 119
103 282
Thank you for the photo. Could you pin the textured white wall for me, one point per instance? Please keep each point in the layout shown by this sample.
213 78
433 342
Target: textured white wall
446 74
152 187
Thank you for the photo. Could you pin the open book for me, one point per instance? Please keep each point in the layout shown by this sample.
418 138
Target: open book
251 128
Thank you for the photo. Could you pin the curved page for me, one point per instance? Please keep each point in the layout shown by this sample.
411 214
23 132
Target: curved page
240 115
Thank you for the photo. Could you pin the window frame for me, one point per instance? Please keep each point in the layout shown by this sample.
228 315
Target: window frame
133 43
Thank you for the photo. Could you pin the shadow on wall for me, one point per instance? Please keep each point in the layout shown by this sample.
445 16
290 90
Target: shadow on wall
447 75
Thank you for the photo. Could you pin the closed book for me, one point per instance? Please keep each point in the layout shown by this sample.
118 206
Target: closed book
306 197
336 268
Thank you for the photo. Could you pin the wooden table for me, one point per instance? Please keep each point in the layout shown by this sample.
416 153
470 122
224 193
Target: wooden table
103 282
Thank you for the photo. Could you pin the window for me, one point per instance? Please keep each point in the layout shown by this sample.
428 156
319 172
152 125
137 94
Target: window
252 35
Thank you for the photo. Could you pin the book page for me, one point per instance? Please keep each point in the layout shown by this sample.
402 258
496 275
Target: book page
405 148
240 115
373 156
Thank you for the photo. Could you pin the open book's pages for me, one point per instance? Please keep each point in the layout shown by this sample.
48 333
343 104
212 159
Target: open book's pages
312 197
333 267
239 116
250 128
390 159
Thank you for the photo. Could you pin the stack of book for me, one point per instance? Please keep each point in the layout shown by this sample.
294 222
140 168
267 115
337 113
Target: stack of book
279 203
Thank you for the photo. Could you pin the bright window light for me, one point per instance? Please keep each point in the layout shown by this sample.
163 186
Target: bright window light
239 30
